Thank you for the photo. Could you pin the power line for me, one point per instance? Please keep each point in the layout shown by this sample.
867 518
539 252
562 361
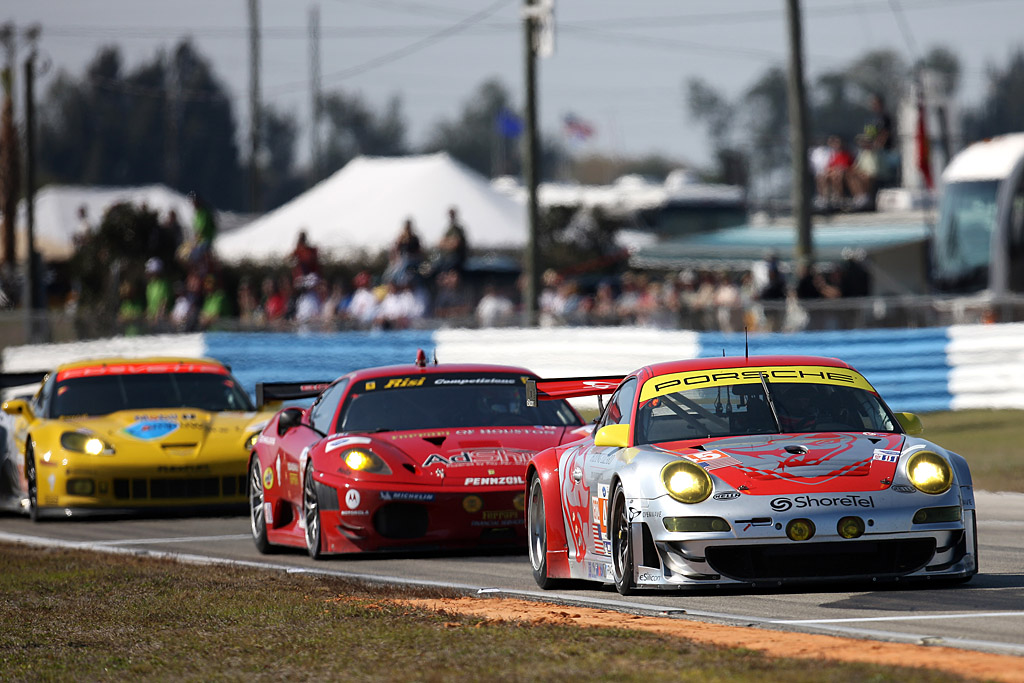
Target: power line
405 30
405 51
901 22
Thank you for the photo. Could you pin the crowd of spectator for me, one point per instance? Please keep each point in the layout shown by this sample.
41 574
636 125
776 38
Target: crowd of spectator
848 180
762 298
420 287
184 285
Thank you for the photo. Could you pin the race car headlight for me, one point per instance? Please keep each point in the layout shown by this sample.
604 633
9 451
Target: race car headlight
79 442
686 482
363 460
250 443
929 472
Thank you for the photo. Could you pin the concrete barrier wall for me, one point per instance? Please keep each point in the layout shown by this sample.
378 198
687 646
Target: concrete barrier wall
919 370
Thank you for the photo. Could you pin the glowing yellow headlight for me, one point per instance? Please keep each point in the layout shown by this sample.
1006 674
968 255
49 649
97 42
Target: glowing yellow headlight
80 442
686 482
361 460
929 472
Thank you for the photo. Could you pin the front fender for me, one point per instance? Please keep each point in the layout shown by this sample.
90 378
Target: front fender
545 465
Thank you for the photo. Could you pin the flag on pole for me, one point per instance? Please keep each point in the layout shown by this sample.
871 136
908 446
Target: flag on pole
576 128
509 124
924 155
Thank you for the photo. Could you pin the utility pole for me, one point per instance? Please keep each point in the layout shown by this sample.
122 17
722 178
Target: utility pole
314 86
32 302
798 138
254 105
530 168
10 161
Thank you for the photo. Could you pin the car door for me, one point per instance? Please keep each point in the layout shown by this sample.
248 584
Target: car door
296 443
600 465
584 475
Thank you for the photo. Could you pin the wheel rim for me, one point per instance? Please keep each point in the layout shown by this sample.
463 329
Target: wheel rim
256 500
621 539
538 530
311 512
30 475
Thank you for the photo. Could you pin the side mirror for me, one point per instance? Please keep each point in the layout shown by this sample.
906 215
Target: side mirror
18 406
289 418
911 423
616 436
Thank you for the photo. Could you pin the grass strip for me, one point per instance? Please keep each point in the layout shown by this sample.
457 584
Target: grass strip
78 616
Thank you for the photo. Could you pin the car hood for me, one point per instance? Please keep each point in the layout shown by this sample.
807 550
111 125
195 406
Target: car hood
178 431
799 463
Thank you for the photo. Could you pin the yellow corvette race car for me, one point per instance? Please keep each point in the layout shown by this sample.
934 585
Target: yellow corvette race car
129 434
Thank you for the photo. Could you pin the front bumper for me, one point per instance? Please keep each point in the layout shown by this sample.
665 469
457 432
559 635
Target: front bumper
757 551
360 517
95 485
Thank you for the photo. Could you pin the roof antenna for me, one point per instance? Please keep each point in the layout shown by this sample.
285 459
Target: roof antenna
421 358
435 355
746 343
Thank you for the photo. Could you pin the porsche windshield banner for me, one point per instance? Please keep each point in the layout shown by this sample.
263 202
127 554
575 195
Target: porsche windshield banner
785 374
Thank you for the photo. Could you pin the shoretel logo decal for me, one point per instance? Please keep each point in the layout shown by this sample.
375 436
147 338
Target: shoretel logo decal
800 502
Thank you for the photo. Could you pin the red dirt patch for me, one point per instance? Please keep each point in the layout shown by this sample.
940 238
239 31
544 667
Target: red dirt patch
772 643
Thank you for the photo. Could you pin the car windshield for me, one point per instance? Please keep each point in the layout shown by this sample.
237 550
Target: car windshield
738 409
110 393
449 401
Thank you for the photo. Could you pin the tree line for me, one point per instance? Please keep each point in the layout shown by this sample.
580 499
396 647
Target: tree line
171 120
749 135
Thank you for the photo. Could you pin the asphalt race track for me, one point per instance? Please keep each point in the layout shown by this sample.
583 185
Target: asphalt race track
986 614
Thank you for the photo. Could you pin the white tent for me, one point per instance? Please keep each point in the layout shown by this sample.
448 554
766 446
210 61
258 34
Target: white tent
56 213
361 209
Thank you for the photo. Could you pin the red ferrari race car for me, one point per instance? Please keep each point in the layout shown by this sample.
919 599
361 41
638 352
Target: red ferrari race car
410 456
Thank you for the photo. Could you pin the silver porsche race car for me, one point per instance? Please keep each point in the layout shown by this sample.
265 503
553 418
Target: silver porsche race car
746 471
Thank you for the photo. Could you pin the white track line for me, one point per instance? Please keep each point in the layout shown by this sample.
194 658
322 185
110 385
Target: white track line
180 539
965 615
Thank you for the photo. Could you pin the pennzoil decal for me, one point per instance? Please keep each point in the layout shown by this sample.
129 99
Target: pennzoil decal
493 481
148 430
805 374
268 478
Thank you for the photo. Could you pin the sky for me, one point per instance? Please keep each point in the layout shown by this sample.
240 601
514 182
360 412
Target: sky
620 66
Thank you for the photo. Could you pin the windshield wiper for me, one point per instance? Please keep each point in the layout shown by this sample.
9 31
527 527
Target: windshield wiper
771 401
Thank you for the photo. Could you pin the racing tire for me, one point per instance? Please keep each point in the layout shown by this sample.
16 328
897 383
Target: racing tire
537 532
31 483
257 509
622 544
311 515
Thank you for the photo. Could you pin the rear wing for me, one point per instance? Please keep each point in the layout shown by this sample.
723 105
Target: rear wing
18 379
20 384
569 387
269 392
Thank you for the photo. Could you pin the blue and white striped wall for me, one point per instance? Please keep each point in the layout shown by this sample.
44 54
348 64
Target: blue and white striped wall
919 370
